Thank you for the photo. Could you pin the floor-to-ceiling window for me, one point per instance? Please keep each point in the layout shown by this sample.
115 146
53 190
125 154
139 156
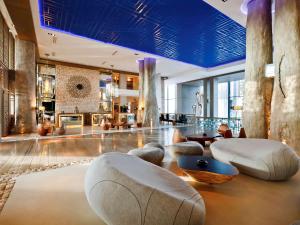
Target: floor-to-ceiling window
229 95
236 98
170 98
220 97
222 100
192 98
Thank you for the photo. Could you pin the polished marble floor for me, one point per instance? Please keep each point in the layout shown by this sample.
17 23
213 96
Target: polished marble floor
31 155
35 153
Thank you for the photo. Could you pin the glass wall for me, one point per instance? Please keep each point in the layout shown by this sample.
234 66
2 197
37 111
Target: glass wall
170 98
236 98
192 98
222 98
228 95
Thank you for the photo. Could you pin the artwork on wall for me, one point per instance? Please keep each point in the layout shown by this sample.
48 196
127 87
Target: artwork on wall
79 86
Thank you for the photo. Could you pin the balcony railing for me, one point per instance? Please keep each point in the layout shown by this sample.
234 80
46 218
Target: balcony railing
206 123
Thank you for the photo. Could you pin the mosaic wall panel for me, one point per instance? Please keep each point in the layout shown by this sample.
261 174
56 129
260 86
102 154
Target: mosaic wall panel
1 38
6 46
79 86
6 118
76 87
11 52
4 102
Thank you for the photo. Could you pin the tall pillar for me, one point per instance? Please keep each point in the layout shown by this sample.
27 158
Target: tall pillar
25 87
151 115
285 119
258 89
141 106
123 85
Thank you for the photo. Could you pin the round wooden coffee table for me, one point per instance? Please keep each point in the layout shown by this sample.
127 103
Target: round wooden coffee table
215 172
203 137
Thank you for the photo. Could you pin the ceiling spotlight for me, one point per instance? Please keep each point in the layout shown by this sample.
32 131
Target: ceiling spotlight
136 54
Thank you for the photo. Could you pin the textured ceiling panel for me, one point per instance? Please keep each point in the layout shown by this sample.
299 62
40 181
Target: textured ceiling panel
190 31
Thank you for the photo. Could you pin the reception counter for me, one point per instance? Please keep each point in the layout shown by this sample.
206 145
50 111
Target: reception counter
98 117
129 118
71 119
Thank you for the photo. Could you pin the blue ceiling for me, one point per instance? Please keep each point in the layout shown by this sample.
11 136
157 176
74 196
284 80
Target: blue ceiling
190 31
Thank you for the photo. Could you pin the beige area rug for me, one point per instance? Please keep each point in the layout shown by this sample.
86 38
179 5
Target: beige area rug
54 197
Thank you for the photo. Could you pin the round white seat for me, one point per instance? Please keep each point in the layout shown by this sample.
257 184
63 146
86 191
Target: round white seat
261 158
149 154
185 148
124 190
154 144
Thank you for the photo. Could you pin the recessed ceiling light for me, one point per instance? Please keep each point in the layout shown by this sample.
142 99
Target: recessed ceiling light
136 54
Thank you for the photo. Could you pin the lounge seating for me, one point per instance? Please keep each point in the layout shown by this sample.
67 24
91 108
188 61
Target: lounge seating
178 137
185 148
261 158
152 152
124 190
222 129
154 144
149 154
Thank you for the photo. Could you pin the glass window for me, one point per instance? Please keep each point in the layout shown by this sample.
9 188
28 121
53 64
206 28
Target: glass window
170 98
236 98
223 100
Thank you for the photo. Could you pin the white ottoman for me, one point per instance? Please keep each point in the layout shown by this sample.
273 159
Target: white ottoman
124 190
149 154
261 158
154 144
185 148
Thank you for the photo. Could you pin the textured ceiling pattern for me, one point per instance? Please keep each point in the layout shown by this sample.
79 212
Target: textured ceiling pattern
189 31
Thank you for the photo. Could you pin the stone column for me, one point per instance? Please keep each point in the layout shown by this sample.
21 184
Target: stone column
123 85
258 89
141 91
285 119
151 115
25 87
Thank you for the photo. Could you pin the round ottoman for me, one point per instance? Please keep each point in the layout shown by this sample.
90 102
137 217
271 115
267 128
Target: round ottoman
124 190
149 154
185 148
154 144
261 158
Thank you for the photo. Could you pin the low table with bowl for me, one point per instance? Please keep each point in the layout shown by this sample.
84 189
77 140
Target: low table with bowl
206 169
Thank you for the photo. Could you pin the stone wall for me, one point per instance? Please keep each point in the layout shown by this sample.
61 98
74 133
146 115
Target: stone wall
285 117
76 87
